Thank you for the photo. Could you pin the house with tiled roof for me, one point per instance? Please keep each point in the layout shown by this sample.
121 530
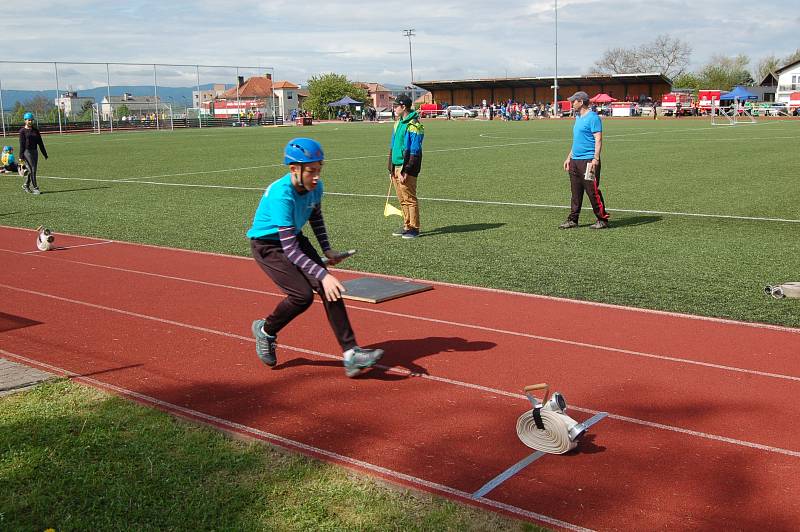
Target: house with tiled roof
288 97
380 96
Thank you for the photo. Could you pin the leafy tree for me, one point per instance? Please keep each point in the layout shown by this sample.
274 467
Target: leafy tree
121 111
39 105
723 72
688 80
327 88
667 55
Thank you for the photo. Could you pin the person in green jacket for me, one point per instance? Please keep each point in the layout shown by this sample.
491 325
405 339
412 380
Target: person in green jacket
405 162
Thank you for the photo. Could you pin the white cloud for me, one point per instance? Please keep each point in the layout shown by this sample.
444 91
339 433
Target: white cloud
453 40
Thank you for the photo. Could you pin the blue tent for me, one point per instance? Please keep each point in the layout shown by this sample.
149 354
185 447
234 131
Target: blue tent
738 93
347 100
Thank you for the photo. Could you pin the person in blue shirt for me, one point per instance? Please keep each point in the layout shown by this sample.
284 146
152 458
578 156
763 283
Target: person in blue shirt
288 258
583 163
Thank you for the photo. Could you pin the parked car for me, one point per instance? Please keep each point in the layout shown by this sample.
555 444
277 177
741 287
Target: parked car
777 109
457 111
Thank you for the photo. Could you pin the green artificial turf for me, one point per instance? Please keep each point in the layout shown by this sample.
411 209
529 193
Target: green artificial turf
501 232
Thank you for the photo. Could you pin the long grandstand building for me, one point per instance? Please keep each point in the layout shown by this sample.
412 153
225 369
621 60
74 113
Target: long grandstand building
471 92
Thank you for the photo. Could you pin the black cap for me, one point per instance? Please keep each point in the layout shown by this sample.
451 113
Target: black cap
404 100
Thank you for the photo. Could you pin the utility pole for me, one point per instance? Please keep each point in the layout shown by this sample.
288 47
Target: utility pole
555 73
410 33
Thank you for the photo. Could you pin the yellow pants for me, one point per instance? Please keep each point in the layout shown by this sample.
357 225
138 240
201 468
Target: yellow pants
407 194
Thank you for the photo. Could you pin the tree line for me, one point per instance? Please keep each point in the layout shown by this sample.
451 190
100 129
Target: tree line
672 56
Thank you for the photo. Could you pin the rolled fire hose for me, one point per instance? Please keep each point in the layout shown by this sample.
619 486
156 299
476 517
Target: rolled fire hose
559 433
781 291
44 238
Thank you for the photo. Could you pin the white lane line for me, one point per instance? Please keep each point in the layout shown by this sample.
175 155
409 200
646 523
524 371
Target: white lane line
403 371
417 317
61 248
748 324
296 445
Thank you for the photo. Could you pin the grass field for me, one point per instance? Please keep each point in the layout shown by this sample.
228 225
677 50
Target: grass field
493 194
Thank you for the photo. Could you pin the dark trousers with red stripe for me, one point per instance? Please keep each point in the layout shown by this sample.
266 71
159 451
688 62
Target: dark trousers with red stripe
299 289
579 185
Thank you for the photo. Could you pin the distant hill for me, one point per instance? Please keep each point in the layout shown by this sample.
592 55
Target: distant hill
180 96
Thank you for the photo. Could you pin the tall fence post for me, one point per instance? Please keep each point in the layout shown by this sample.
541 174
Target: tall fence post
2 109
199 101
238 105
155 92
110 107
58 99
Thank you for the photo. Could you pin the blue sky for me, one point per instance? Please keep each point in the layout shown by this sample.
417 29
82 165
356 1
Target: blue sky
454 40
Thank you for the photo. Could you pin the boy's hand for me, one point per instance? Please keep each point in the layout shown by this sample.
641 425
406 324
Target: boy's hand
332 287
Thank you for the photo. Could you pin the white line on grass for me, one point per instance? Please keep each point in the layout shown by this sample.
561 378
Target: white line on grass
405 372
447 200
417 317
296 445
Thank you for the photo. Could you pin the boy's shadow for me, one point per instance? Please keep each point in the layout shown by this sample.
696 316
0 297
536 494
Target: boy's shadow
404 354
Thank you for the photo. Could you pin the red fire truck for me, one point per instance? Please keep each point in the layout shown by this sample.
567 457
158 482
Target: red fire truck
706 98
677 102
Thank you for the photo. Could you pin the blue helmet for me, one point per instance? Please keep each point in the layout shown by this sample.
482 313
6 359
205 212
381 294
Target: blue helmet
27 116
302 150
7 148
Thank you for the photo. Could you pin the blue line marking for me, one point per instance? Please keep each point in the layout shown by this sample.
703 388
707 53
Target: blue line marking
525 462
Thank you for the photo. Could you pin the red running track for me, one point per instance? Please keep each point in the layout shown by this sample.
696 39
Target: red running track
702 416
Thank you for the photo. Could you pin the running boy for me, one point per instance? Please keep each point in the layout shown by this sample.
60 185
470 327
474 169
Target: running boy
289 259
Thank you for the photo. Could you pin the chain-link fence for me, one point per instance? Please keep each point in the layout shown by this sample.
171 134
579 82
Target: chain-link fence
104 97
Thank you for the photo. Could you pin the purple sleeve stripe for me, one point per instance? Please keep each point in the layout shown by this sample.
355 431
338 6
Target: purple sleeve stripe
294 253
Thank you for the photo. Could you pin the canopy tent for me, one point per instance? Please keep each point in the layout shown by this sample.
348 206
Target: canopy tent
738 93
347 100
602 98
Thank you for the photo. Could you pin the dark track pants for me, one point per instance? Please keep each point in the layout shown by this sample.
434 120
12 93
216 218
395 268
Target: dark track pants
32 160
299 289
579 185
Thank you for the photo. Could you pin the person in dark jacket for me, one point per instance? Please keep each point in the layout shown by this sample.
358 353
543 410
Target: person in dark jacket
405 162
30 140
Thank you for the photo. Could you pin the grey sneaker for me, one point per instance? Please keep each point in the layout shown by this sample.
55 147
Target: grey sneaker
265 344
26 188
36 191
599 224
411 233
361 359
569 224
400 231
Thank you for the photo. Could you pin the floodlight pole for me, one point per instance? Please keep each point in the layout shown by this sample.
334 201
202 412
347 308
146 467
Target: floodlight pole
555 72
410 33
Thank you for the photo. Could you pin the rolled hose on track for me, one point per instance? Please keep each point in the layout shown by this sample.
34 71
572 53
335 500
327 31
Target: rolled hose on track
553 439
560 432
780 291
